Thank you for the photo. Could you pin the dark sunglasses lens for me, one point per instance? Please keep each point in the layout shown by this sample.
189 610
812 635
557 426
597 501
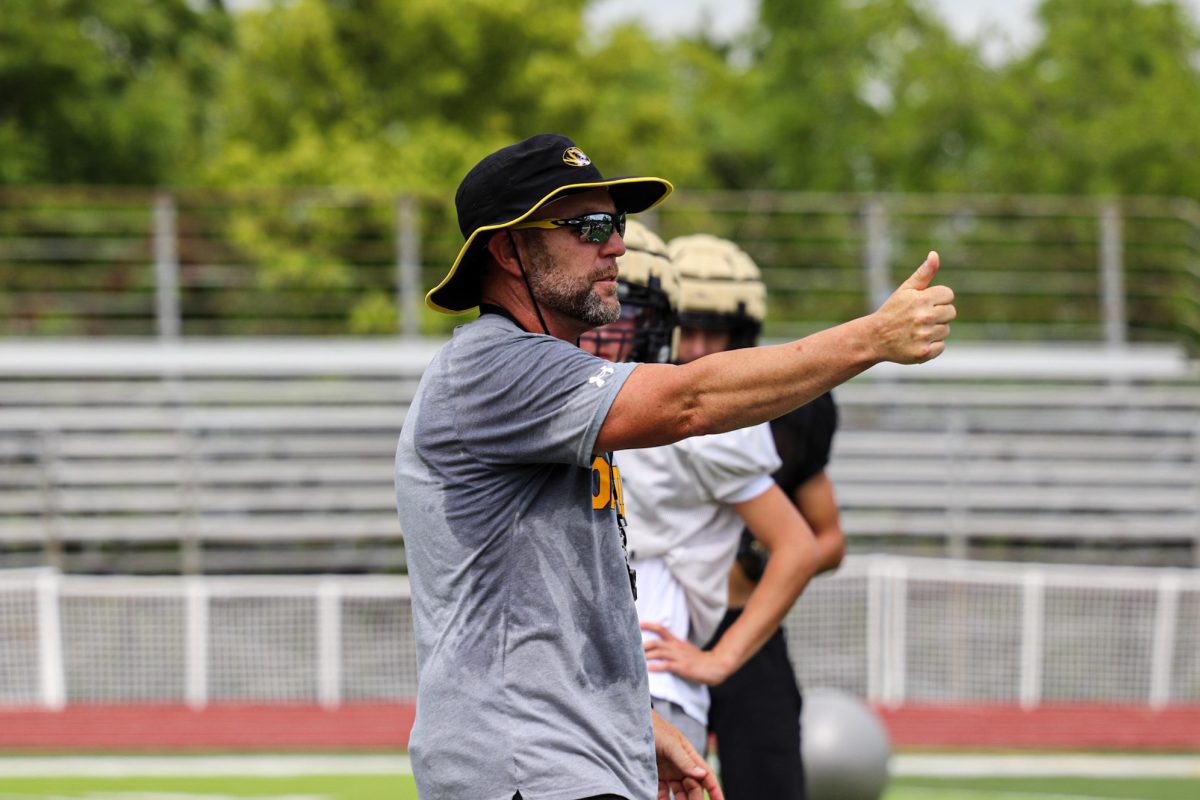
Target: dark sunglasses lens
598 228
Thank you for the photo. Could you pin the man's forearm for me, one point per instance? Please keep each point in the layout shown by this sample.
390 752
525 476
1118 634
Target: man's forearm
738 388
660 404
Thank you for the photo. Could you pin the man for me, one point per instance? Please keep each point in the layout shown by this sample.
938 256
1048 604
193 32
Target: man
687 503
531 679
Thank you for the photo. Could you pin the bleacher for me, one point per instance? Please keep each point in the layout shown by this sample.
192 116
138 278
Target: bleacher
252 456
203 457
1067 453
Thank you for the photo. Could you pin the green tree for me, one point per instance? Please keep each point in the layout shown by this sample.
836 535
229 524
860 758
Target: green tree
106 91
644 106
1104 103
406 95
930 93
391 93
862 96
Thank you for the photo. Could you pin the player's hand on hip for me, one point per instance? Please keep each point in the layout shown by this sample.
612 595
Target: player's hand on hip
912 325
681 770
669 653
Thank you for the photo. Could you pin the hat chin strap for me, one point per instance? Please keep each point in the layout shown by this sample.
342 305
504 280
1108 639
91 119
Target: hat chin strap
525 275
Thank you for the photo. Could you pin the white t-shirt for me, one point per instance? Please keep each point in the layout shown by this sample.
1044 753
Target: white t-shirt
661 599
683 534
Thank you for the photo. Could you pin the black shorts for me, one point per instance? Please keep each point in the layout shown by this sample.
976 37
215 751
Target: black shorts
755 715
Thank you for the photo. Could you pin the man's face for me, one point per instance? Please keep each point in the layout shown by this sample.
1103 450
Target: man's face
574 278
699 342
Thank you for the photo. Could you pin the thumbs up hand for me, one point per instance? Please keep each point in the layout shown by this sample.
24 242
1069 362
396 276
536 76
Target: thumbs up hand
912 325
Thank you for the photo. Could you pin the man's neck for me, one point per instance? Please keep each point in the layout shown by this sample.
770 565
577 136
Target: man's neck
526 318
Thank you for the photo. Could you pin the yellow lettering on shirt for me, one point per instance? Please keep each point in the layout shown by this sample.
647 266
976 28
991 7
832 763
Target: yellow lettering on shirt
606 483
602 491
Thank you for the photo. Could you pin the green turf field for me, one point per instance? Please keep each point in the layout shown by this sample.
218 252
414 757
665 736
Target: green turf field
308 787
401 787
917 788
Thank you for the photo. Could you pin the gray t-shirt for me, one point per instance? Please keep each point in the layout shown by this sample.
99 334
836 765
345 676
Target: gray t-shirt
531 676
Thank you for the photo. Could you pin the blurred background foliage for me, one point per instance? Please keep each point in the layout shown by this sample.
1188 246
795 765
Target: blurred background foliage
829 95
380 97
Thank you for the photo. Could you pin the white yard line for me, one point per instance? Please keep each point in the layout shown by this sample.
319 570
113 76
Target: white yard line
991 794
266 766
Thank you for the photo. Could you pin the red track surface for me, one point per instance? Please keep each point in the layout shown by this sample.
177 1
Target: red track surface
1061 726
173 728
372 726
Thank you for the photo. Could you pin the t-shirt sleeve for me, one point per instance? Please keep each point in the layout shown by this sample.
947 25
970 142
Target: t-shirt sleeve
530 398
804 439
736 466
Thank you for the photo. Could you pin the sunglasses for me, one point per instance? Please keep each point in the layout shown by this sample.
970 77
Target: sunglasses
596 228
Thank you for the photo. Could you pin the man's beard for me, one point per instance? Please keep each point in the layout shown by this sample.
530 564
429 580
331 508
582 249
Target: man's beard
554 289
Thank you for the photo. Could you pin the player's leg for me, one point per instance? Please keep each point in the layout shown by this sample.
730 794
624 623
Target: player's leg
755 715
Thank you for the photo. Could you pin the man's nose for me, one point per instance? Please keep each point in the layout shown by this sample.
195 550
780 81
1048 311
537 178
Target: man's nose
615 246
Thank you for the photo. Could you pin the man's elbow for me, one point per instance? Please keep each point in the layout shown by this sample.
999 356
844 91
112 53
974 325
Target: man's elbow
685 402
692 421
690 416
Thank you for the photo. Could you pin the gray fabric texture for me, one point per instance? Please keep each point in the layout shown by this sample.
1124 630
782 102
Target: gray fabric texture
531 676
693 731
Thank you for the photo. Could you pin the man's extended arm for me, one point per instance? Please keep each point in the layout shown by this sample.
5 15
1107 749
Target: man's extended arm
660 403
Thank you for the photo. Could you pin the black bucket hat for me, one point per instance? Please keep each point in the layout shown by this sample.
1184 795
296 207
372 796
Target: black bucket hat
508 186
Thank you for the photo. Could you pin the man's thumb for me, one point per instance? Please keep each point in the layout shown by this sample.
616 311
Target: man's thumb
924 274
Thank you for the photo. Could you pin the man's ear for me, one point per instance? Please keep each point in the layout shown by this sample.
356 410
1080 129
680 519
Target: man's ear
501 246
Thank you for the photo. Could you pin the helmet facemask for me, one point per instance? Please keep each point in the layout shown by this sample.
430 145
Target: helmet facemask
645 330
647 289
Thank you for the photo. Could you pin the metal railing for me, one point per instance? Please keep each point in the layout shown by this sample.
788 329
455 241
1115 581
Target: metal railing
194 263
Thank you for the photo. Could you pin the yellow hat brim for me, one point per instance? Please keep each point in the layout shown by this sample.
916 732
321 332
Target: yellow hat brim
458 292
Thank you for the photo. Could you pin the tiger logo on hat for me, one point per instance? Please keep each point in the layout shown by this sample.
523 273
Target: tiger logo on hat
575 157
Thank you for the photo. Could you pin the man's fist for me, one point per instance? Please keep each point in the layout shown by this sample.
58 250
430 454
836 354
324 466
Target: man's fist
912 325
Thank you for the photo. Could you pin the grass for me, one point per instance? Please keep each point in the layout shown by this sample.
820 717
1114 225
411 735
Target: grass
1042 788
401 787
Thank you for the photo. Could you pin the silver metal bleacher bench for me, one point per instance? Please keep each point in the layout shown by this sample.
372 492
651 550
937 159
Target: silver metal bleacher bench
1071 453
203 456
257 456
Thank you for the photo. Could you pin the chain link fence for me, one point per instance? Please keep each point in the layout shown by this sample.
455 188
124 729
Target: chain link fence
894 630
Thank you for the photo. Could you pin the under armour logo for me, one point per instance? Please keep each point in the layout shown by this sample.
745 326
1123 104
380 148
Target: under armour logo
599 377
